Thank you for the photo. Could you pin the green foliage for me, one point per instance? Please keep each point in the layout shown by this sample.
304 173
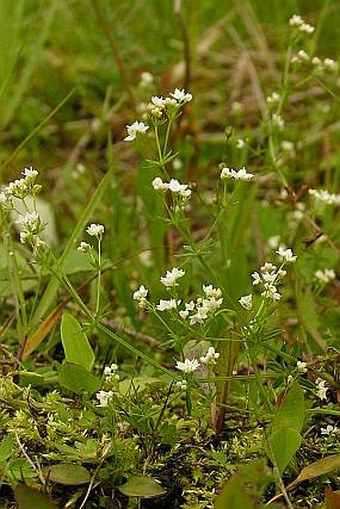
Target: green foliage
283 438
75 342
193 343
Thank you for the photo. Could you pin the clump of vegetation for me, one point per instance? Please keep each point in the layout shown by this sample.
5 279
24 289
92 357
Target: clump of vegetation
169 293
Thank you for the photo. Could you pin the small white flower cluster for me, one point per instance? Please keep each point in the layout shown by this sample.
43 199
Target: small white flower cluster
95 230
286 255
301 366
329 430
247 302
273 98
104 397
300 24
209 359
159 105
171 276
278 121
325 276
140 296
324 196
319 65
110 373
174 186
321 388
135 129
84 247
20 188
188 366
230 173
270 276
146 79
167 305
29 223
191 365
204 307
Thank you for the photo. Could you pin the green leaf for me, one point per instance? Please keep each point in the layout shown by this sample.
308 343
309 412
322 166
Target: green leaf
291 413
320 467
78 379
28 498
142 486
283 445
68 474
75 343
234 496
6 448
283 434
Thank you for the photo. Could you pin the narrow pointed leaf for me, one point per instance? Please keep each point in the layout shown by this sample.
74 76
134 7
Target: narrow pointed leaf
319 467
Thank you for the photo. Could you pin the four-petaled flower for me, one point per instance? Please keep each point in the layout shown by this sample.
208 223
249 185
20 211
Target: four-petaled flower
95 230
134 129
188 366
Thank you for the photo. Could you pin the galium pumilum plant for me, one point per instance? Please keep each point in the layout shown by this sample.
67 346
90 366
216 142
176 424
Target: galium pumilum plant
207 329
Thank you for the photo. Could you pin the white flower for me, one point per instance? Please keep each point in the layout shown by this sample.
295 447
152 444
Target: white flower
134 129
210 357
329 430
84 247
296 20
30 172
30 222
286 255
330 64
230 173
167 305
301 366
188 366
273 98
181 96
110 373
104 398
305 27
278 121
159 185
246 302
270 292
140 295
257 278
240 143
325 197
95 230
176 187
146 79
210 291
171 277
321 388
181 385
325 276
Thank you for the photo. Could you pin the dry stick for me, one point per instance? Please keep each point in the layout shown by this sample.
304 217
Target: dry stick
115 53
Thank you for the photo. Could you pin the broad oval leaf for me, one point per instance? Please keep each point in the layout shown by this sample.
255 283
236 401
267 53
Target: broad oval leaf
78 379
142 486
28 498
75 343
332 499
233 495
282 445
68 474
